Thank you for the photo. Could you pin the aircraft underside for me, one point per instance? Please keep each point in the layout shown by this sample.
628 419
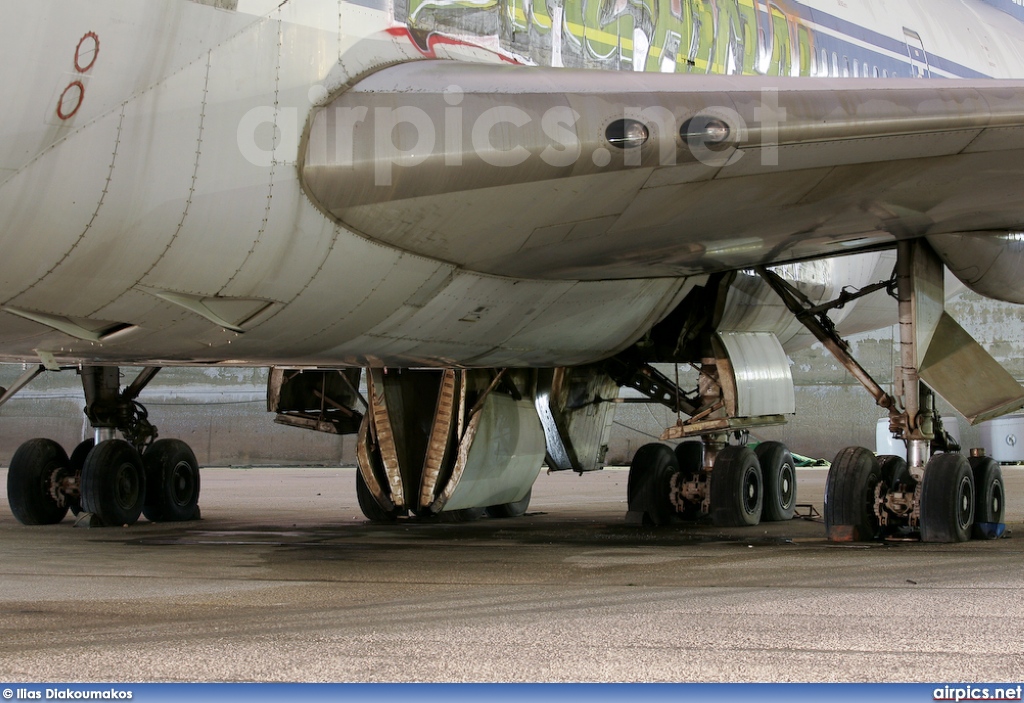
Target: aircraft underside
461 443
462 261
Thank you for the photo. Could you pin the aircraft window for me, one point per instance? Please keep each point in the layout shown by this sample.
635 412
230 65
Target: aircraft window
626 133
824 62
875 72
707 129
856 70
835 65
885 73
865 71
846 67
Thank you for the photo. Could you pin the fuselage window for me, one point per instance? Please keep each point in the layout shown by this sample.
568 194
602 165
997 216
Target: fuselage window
856 69
824 63
835 65
885 73
846 67
875 72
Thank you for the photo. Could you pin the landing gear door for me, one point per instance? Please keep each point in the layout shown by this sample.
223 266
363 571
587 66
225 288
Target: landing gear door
762 379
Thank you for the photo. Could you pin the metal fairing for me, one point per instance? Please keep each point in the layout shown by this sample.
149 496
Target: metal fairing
989 263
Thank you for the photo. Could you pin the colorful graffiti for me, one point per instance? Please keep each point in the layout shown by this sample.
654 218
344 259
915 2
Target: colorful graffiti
670 36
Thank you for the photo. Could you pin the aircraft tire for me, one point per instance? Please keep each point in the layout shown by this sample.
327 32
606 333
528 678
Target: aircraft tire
893 470
649 482
368 504
779 474
850 496
77 462
114 483
34 467
172 481
947 499
516 509
690 456
990 504
737 488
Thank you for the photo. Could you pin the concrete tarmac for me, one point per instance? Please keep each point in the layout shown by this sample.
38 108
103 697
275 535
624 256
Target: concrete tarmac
282 580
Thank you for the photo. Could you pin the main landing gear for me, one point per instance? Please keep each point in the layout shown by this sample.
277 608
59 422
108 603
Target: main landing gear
113 480
732 485
936 492
738 487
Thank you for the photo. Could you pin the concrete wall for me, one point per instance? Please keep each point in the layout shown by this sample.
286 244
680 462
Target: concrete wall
221 412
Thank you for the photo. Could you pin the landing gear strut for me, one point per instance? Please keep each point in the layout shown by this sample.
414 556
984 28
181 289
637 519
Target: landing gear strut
113 479
731 484
935 492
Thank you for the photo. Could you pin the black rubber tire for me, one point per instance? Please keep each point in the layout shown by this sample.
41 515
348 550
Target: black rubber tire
737 488
779 473
947 499
172 481
690 457
369 506
77 463
114 483
516 509
990 502
649 482
894 471
34 467
850 496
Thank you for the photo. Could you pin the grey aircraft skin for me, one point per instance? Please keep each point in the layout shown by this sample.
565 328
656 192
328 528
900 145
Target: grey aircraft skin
458 229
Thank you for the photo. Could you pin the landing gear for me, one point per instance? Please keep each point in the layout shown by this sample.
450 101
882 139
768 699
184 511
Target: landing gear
172 482
515 509
779 474
947 500
647 489
733 485
448 445
989 504
850 496
114 483
935 492
113 479
38 472
369 506
736 488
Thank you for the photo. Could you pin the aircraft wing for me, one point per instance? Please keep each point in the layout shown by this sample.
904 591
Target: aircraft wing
540 173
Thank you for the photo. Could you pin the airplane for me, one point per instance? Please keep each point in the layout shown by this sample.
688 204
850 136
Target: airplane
496 214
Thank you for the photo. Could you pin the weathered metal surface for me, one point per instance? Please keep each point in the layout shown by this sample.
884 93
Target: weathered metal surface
849 160
719 425
500 457
380 421
967 377
441 431
762 380
989 263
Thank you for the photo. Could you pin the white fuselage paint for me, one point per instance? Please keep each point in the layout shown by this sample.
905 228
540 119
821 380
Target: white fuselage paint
149 187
